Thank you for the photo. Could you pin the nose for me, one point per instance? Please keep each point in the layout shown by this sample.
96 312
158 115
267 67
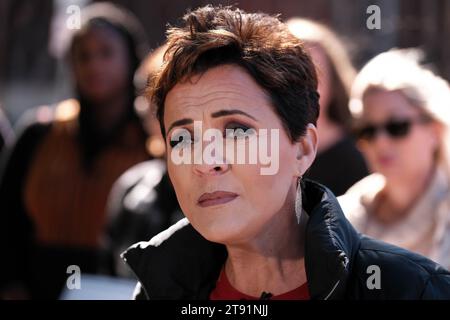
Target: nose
382 139
210 169
382 143
207 163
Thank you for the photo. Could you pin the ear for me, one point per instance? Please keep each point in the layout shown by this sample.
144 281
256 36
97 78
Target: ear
307 149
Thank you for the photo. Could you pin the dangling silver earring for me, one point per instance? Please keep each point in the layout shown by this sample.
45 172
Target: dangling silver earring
298 201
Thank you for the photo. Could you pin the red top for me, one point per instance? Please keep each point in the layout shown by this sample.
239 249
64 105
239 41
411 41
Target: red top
225 291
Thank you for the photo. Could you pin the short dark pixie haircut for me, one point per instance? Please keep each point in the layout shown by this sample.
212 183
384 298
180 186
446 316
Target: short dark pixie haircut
259 43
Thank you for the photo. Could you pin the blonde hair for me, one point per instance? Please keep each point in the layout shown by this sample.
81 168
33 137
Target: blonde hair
399 70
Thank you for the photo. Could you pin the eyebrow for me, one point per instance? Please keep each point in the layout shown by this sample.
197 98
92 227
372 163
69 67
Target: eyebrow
180 122
223 113
217 114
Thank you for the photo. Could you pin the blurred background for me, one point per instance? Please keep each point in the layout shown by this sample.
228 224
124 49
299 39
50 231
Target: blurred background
32 35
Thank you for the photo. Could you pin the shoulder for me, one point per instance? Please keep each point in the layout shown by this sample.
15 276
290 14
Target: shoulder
34 121
361 194
30 129
177 263
35 124
367 187
401 274
134 191
178 240
153 169
41 118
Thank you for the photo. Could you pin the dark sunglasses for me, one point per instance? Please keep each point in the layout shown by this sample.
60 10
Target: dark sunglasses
394 128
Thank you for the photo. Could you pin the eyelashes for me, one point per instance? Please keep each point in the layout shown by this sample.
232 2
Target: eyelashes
236 130
181 137
180 140
233 130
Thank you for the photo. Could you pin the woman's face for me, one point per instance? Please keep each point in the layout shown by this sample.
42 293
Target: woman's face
101 64
230 203
399 157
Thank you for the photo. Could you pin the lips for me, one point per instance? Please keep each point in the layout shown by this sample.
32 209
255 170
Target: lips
385 160
216 198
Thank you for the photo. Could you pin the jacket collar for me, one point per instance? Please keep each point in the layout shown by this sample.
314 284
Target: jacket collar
331 243
180 264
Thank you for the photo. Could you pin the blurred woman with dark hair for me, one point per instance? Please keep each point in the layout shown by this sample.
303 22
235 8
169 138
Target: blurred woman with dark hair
337 152
60 170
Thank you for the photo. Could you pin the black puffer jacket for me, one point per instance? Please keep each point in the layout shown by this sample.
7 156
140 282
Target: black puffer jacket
180 264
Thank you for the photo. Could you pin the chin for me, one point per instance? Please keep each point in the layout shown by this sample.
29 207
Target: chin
220 233
389 172
217 236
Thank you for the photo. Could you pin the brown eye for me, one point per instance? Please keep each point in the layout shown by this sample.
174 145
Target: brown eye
181 138
237 131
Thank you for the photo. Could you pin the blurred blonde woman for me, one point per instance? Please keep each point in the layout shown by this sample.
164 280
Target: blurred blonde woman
402 116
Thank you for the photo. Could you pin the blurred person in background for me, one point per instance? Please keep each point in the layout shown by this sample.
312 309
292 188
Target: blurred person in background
403 116
142 202
339 163
60 169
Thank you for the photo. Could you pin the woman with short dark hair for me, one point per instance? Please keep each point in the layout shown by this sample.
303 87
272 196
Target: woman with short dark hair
251 232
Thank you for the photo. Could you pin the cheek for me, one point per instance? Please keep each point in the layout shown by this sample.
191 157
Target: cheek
419 149
262 197
268 193
367 150
257 187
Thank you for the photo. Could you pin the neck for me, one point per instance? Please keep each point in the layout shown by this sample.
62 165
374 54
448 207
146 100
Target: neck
274 262
399 196
329 133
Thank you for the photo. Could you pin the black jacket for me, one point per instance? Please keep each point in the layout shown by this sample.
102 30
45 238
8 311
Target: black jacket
180 264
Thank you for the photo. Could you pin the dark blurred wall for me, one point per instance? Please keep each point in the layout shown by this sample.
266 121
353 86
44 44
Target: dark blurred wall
25 24
27 70
404 23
